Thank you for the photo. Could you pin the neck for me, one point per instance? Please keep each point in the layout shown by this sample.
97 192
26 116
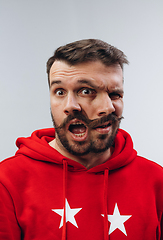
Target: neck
89 160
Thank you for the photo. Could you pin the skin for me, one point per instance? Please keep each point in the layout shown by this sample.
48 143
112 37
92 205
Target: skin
93 89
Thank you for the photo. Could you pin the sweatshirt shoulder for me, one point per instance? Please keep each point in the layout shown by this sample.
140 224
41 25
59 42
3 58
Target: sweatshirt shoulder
149 167
149 163
10 160
13 166
7 162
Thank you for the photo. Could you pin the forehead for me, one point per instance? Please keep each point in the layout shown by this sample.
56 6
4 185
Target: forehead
96 72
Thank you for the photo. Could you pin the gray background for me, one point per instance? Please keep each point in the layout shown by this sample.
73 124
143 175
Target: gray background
31 30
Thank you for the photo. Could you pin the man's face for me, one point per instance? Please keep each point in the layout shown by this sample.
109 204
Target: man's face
86 105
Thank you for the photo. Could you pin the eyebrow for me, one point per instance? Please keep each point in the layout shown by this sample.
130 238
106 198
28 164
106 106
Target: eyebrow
82 81
55 82
88 82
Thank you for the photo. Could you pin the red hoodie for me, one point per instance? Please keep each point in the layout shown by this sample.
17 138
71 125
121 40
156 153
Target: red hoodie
46 196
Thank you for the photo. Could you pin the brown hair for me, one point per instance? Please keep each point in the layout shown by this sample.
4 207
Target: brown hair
88 50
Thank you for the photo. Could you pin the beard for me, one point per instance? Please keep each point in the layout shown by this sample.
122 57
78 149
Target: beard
96 143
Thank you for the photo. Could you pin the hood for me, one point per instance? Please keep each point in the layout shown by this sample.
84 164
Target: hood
37 148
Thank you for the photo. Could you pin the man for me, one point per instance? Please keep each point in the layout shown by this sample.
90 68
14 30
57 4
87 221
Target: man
82 180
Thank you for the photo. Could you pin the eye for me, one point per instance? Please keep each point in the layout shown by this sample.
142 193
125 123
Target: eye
114 96
59 92
87 91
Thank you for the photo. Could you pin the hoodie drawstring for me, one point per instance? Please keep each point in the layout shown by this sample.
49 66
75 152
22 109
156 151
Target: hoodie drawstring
64 198
106 173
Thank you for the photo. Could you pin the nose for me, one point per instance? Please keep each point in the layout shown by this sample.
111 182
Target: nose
71 105
105 106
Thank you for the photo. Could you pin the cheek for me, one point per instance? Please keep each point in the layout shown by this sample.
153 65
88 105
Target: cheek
55 109
55 104
118 108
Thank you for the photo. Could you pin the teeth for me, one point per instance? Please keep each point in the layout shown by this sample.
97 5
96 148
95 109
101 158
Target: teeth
79 134
77 123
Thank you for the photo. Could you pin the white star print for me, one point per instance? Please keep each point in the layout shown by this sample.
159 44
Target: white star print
70 213
117 220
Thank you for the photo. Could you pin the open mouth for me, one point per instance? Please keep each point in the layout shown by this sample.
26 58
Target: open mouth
78 129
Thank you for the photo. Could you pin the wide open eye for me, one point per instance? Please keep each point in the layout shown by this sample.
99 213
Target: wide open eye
59 92
87 91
